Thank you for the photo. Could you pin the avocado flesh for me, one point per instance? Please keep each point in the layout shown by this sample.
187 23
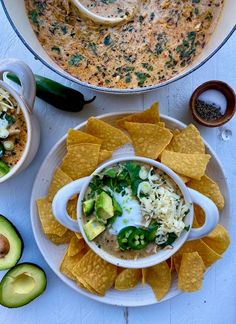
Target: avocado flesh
88 206
22 284
104 207
93 228
8 230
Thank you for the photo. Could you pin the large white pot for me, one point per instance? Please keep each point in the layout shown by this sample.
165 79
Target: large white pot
15 11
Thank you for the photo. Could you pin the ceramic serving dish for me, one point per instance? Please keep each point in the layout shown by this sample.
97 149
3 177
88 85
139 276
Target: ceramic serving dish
25 98
16 14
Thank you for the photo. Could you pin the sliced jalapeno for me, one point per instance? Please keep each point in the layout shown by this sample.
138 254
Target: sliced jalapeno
138 239
123 237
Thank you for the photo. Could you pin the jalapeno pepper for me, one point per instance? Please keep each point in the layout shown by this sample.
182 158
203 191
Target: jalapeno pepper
123 237
138 239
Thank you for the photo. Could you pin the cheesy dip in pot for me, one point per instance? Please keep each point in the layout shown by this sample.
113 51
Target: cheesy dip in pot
13 132
132 210
161 40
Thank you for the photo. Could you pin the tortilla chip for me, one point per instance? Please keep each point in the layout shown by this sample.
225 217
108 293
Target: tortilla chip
68 263
191 272
81 160
148 140
65 238
104 155
72 208
112 137
82 283
184 178
128 279
144 274
150 116
188 140
59 180
218 240
76 245
159 278
78 137
190 165
97 273
78 235
208 255
209 188
49 223
199 214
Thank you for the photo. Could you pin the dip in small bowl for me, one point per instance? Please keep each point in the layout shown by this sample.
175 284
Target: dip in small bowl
133 209
134 212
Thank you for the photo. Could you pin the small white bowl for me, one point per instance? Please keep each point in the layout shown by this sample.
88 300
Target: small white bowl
191 196
26 102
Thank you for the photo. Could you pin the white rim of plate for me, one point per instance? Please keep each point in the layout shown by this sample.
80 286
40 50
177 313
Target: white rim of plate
70 283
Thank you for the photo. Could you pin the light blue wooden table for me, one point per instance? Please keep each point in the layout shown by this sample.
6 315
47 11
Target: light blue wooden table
216 302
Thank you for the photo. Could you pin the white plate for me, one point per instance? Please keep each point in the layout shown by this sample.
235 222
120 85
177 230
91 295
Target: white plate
53 253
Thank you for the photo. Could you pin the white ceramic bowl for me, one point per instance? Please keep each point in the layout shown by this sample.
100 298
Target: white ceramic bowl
25 99
16 14
191 196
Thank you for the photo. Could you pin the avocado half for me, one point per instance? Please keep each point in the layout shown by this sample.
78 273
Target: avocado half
11 244
22 284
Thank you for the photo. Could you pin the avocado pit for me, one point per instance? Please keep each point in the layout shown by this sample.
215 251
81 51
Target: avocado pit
4 246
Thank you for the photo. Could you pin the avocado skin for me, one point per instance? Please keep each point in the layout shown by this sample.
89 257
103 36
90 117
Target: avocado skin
9 272
20 237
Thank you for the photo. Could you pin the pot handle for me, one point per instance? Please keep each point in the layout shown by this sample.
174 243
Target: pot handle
211 215
60 202
26 77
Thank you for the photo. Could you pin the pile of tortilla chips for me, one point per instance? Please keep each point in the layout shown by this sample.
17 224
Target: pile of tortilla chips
182 151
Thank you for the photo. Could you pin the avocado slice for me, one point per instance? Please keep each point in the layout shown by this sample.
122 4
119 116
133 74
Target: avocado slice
93 228
88 206
11 244
104 207
117 208
22 284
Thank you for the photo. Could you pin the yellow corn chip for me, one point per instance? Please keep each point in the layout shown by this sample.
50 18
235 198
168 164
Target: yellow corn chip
78 137
150 116
112 137
209 188
97 273
49 223
84 285
104 155
218 240
188 140
72 208
148 140
81 160
191 272
199 214
65 238
190 165
68 263
59 180
128 279
184 178
76 245
206 253
144 274
159 278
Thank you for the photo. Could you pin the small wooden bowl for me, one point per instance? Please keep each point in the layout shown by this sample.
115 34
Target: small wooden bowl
229 94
